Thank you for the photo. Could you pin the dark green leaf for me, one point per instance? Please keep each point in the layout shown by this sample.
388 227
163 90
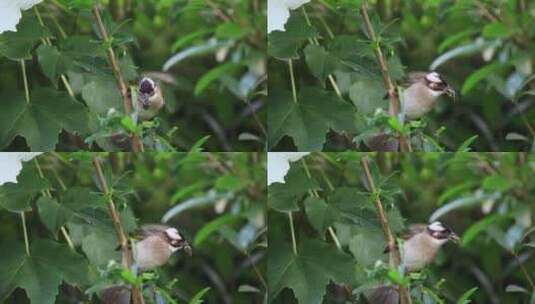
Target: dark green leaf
308 121
41 120
17 196
307 273
284 45
17 45
283 197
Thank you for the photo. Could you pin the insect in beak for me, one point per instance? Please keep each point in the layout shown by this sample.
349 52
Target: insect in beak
454 238
450 92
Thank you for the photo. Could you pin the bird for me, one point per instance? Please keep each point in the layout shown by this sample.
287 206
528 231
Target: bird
420 92
155 244
420 246
149 99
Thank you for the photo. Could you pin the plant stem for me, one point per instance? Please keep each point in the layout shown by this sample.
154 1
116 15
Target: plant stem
524 271
26 242
25 78
394 256
292 80
137 144
316 42
387 81
292 230
128 258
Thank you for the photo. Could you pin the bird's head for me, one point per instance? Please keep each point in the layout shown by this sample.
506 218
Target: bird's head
176 241
438 85
441 233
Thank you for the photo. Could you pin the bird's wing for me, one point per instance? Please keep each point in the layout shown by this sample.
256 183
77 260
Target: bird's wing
150 229
413 77
413 229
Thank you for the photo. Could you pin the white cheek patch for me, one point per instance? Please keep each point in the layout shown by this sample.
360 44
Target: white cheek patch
436 226
433 77
435 93
173 249
173 234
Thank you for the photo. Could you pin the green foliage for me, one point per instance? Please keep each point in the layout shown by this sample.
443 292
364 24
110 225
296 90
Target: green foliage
213 84
40 272
483 197
483 50
67 208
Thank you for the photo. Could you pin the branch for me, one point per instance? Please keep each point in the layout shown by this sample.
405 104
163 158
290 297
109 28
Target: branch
387 81
128 258
137 145
394 256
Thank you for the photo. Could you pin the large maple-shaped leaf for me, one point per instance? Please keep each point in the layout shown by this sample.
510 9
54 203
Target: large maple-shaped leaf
283 197
285 44
307 273
41 272
40 121
17 45
17 196
345 205
309 119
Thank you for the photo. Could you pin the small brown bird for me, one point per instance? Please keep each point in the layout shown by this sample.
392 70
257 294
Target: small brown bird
421 93
156 244
420 247
419 97
149 99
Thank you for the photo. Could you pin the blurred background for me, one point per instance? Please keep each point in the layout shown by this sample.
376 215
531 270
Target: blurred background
217 201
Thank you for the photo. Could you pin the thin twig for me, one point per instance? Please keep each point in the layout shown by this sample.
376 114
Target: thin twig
394 256
128 258
26 241
389 85
292 230
25 78
137 144
523 269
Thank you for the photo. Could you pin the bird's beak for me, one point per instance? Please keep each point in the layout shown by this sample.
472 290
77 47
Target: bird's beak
187 248
450 92
454 238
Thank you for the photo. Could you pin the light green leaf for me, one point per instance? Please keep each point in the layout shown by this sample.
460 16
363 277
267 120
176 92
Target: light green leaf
464 299
496 30
479 75
101 95
197 299
213 226
213 75
463 50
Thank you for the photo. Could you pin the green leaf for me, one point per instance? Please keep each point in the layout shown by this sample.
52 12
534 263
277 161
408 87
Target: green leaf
17 45
284 45
213 75
316 112
479 75
228 182
307 273
213 226
41 120
454 39
230 30
367 255
496 30
346 205
101 95
320 62
465 146
497 183
16 197
367 95
75 201
466 201
464 299
197 299
189 38
49 58
475 229
41 272
283 197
